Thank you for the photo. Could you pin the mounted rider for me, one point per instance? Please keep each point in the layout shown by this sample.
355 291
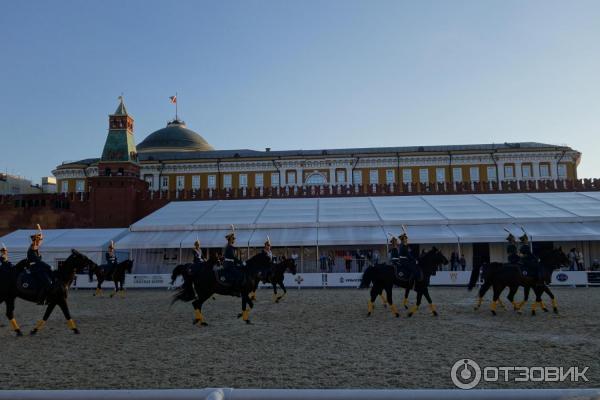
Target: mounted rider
529 260
230 258
267 250
111 258
4 257
511 250
408 262
197 252
40 270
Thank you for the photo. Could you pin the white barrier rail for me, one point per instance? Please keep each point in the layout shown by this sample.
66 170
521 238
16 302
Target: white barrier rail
303 394
350 279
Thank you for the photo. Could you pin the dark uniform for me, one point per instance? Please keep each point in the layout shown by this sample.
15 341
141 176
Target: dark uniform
4 263
197 255
230 262
111 262
41 271
511 250
407 261
529 260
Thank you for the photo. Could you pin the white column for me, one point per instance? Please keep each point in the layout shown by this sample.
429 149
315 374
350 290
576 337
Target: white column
518 171
553 171
535 173
298 176
500 171
283 176
348 175
332 176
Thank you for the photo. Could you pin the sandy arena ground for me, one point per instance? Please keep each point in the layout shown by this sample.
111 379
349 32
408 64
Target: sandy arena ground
314 338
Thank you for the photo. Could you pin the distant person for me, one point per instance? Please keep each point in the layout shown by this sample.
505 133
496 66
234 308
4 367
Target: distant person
454 261
462 262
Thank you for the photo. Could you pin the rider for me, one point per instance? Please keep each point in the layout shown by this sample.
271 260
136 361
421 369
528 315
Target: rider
41 271
394 253
267 250
528 259
197 251
407 260
511 250
4 257
111 258
230 257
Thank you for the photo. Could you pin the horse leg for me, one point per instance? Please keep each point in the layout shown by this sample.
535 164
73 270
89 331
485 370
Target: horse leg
116 289
405 300
70 322
482 291
121 289
393 308
431 305
10 314
497 292
370 305
198 317
383 299
415 308
40 324
554 303
538 299
246 311
512 291
282 286
275 299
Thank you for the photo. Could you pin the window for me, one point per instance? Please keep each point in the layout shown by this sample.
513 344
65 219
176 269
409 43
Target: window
291 178
509 171
243 180
180 182
316 179
258 180
227 181
562 170
341 176
275 179
440 175
212 181
373 177
544 170
357 177
423 175
150 180
457 174
164 183
407 175
474 174
491 173
64 186
195 181
526 170
80 186
390 176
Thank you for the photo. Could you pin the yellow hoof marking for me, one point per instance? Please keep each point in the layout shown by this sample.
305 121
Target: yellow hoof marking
71 324
245 315
394 309
14 325
40 324
370 306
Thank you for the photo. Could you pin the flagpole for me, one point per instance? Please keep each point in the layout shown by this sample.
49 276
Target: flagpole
176 106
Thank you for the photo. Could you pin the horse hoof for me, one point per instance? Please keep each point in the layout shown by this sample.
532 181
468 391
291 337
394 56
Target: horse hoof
435 314
494 313
368 314
33 332
248 322
397 315
545 309
18 333
239 315
76 331
410 314
533 313
203 323
555 310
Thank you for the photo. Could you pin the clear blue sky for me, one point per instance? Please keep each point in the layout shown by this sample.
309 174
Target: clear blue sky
299 74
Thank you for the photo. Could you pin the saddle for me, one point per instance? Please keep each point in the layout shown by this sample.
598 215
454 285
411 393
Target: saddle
30 284
228 276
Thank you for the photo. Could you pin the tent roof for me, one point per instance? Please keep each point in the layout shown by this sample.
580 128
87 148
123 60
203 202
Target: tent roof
60 239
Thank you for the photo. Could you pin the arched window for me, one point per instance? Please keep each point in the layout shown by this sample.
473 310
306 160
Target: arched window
315 179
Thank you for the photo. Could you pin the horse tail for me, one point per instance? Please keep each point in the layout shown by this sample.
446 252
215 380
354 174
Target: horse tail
367 277
474 278
184 293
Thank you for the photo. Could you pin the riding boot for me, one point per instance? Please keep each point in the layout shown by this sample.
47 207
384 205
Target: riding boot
41 296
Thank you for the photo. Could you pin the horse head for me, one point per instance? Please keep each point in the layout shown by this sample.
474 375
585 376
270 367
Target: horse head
554 259
289 264
77 262
127 266
431 260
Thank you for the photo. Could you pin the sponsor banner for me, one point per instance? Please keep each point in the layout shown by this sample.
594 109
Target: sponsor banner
562 278
301 280
343 279
451 278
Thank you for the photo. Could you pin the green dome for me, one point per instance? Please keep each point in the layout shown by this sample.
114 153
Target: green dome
174 137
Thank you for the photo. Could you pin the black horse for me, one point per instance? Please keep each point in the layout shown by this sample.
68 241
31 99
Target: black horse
383 277
107 273
274 275
204 283
17 282
499 276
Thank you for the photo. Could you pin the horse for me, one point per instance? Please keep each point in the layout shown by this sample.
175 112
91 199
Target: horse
383 277
105 273
274 275
498 276
205 282
14 282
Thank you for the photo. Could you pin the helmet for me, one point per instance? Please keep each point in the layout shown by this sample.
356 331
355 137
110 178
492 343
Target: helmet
268 241
231 235
524 238
511 238
111 245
